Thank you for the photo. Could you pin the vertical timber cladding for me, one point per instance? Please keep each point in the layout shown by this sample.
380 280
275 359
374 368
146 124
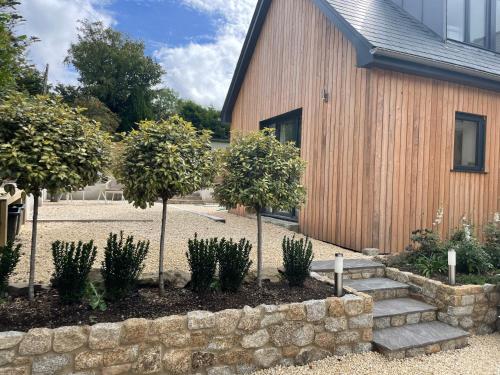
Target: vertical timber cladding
379 152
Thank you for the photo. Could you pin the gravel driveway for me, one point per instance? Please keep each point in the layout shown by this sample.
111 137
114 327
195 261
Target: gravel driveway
145 224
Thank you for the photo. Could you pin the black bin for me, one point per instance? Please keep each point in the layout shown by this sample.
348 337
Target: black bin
13 222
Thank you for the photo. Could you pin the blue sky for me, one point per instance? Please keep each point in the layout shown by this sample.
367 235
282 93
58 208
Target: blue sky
196 41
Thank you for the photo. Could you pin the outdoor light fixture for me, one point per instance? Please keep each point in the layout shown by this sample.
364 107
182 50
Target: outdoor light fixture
339 270
452 266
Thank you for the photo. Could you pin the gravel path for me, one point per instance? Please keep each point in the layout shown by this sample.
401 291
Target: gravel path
482 357
181 226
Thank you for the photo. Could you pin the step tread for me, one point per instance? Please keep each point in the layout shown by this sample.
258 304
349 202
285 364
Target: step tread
349 264
415 335
399 306
375 283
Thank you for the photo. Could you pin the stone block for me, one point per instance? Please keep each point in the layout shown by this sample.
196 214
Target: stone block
221 343
174 323
303 336
466 322
335 307
134 331
7 356
117 370
398 320
315 310
362 347
415 352
50 363
245 369
235 357
361 321
468 300
296 311
67 339
250 319
310 355
226 321
353 305
220 370
342 350
413 318
36 341
200 320
88 360
149 360
177 362
325 340
105 336
428 316
200 360
367 334
120 356
345 337
460 310
381 323
255 340
431 349
175 339
267 357
272 319
9 339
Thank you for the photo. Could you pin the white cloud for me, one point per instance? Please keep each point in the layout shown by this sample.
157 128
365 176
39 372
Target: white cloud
203 71
55 23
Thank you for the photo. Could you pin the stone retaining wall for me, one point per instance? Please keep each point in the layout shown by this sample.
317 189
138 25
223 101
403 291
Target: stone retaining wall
471 307
222 343
358 273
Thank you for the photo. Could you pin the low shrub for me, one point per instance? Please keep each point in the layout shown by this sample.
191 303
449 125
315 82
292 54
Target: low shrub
432 265
492 242
9 257
479 279
234 263
297 258
424 242
471 257
95 297
72 264
202 259
122 265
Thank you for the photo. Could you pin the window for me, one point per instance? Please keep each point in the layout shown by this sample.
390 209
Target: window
471 21
287 127
497 26
470 135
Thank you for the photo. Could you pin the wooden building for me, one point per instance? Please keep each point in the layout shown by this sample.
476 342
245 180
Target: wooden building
395 106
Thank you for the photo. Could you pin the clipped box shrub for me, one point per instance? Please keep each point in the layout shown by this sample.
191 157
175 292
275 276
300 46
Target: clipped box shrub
234 263
72 264
9 257
297 259
122 265
202 259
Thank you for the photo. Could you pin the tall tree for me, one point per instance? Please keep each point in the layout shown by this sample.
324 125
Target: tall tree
165 104
161 160
45 144
114 69
260 172
204 118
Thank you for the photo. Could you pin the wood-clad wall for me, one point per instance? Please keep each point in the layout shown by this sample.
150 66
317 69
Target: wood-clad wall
379 152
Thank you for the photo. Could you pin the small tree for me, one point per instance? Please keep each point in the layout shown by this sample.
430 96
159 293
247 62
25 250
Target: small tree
161 160
45 144
259 172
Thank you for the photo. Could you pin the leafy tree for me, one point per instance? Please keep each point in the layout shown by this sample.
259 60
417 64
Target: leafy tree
259 172
12 46
162 160
45 144
165 104
114 69
204 118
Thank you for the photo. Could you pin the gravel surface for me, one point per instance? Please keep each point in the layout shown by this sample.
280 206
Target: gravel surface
181 226
482 357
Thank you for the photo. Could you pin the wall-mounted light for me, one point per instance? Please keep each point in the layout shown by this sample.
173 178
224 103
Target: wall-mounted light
452 266
325 96
339 270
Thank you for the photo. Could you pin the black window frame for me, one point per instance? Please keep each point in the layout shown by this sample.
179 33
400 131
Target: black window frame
490 26
480 142
295 114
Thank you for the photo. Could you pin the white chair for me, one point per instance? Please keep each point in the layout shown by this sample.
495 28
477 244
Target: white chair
114 188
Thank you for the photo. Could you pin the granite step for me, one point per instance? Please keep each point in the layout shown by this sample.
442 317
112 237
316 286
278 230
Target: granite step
379 288
418 339
353 268
400 311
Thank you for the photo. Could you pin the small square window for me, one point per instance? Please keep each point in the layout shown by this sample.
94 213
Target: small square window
470 135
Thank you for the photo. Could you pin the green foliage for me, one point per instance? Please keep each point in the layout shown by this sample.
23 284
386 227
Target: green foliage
425 242
9 257
432 265
122 265
203 118
114 69
202 259
234 263
165 104
45 144
72 265
96 110
471 257
95 298
164 159
259 171
297 258
474 279
492 242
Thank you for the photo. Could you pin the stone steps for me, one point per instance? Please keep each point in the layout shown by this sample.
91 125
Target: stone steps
354 269
418 339
401 311
379 288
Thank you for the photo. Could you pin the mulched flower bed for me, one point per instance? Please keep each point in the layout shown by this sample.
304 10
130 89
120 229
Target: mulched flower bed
46 311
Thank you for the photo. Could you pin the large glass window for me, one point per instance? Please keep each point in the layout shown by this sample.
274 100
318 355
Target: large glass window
456 20
477 22
469 142
497 26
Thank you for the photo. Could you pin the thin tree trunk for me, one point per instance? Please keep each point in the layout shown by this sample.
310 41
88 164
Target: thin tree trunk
161 280
259 248
31 284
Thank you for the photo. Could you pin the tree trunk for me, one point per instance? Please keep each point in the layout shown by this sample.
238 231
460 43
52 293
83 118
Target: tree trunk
161 280
259 248
31 284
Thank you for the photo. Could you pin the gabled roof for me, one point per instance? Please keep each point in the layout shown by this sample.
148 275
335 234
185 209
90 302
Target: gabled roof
385 36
